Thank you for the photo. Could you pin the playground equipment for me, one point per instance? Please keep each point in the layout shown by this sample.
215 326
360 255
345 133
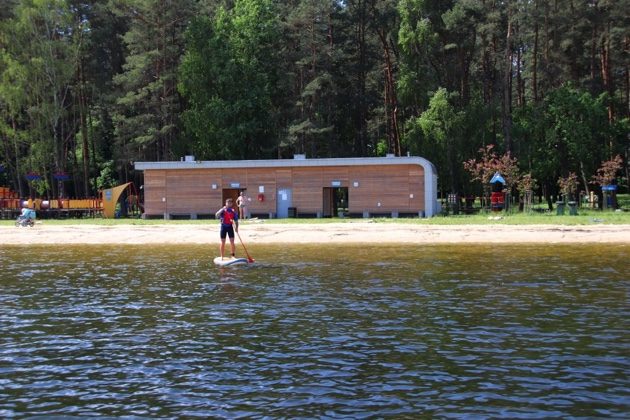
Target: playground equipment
11 205
118 201
498 200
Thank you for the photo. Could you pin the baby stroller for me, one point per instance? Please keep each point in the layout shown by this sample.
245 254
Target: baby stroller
27 218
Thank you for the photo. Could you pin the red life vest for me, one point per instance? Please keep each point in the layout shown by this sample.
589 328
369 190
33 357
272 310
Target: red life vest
228 216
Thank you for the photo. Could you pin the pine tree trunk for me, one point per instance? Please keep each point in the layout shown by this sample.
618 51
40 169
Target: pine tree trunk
520 84
535 57
607 79
391 101
84 131
507 87
626 79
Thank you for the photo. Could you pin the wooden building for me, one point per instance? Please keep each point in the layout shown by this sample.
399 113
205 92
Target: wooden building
300 187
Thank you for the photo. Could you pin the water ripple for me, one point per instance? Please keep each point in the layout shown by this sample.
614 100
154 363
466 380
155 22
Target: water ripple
433 331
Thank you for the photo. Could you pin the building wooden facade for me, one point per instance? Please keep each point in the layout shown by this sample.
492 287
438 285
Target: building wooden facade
356 187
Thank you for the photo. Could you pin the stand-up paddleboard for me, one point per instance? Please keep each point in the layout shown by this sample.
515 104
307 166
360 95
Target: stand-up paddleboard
223 262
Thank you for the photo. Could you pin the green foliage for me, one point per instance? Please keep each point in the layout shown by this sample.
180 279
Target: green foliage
381 148
37 66
228 77
567 132
94 84
107 177
578 126
148 109
441 127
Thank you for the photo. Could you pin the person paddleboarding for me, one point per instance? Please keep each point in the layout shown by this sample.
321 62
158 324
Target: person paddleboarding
229 224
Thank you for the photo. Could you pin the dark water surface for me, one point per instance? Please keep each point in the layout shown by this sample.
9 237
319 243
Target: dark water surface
316 331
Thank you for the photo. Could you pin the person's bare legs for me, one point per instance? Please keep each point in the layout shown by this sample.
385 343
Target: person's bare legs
222 247
233 246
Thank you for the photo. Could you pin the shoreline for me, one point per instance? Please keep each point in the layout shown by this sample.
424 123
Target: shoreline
339 233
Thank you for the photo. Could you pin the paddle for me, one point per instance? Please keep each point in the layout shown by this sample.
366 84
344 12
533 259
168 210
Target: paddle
249 258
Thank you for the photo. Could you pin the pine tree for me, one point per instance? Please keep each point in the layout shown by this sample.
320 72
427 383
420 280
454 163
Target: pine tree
148 106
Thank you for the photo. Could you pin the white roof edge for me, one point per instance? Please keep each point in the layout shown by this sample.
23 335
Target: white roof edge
282 163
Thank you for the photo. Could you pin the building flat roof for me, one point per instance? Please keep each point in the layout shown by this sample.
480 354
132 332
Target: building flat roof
190 163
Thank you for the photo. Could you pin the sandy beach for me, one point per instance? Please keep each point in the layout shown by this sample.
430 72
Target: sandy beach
259 232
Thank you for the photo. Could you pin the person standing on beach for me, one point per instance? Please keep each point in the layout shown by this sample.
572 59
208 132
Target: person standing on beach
241 203
229 223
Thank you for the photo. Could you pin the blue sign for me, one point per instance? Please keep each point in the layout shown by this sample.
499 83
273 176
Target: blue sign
497 178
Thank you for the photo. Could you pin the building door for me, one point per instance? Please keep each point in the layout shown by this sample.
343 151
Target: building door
284 201
329 202
230 193
341 201
335 201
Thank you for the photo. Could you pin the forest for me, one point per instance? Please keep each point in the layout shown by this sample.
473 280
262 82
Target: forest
537 88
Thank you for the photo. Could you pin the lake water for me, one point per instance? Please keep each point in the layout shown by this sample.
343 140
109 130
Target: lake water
315 331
